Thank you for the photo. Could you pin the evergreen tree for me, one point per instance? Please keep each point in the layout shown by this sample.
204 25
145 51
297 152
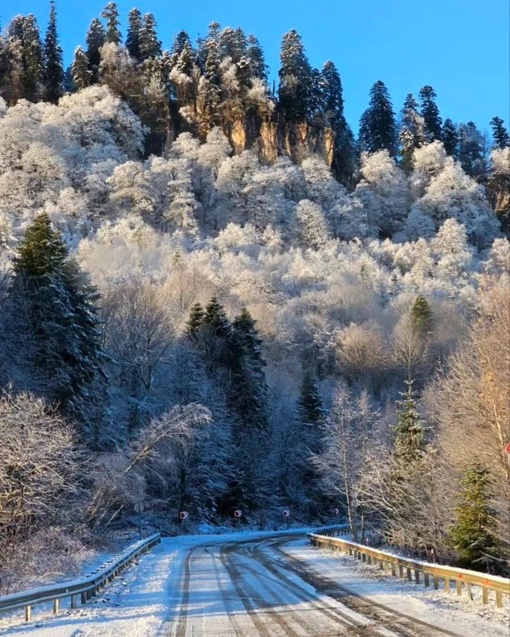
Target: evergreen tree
60 337
195 321
377 125
182 41
421 317
80 70
111 14
409 443
53 60
499 133
450 138
473 535
412 132
233 44
310 409
255 55
471 149
135 24
295 90
150 46
216 319
27 55
430 113
95 39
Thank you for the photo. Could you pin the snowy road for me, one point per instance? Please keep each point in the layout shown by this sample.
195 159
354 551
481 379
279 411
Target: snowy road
258 585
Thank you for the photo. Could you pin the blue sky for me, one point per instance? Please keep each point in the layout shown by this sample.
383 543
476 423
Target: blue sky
460 47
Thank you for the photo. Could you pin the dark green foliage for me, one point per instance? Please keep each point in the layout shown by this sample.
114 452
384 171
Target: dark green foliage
412 133
111 14
409 444
150 46
471 149
135 24
310 408
59 335
450 138
80 70
255 55
233 44
499 133
25 39
430 113
377 125
195 321
421 317
95 39
216 320
473 535
295 90
53 60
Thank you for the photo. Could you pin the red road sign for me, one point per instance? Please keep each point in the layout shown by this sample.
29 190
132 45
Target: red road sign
508 448
238 513
183 515
286 513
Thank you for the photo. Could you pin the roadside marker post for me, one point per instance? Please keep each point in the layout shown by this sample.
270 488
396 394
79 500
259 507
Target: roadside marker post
286 517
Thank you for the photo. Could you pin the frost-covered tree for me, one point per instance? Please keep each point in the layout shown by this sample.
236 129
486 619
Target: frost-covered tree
295 88
377 124
94 40
111 14
412 132
450 137
149 43
430 113
81 73
135 24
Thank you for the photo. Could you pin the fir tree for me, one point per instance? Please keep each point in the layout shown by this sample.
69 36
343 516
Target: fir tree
255 55
24 36
471 149
216 319
412 133
233 44
409 443
499 133
95 39
150 46
111 14
421 317
473 535
450 138
53 60
295 79
377 125
430 113
310 407
195 321
182 41
80 70
135 24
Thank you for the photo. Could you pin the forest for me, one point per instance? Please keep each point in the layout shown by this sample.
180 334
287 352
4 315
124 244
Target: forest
215 295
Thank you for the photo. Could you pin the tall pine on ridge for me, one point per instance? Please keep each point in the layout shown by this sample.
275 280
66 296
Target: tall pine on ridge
378 130
53 60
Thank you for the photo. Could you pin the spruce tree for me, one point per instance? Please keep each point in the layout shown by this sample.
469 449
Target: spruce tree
111 14
135 24
499 133
195 321
430 113
255 55
409 443
310 408
377 125
295 90
95 39
473 536
150 46
59 335
421 317
450 138
412 133
80 70
53 60
24 36
216 319
471 149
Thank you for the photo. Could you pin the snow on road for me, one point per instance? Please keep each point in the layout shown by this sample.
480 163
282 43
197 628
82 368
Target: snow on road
251 584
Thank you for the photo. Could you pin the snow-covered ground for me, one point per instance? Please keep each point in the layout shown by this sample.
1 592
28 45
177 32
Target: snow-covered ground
250 584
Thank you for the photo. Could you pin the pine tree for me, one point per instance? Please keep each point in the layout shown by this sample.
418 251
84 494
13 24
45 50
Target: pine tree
150 46
499 133
80 70
95 39
60 337
233 44
111 14
216 319
412 132
255 55
473 535
450 138
24 33
135 24
377 125
409 443
310 408
421 317
295 90
195 321
53 60
430 113
471 149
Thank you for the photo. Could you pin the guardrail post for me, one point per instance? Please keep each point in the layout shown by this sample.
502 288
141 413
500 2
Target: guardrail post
417 576
393 569
409 573
84 597
499 599
436 582
28 613
469 591
56 606
458 586
485 595
400 570
447 585
74 601
426 579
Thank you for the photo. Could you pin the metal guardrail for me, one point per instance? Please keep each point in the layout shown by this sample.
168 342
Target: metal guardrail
388 561
85 587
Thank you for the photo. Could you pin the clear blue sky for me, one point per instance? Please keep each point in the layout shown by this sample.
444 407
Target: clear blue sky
460 47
